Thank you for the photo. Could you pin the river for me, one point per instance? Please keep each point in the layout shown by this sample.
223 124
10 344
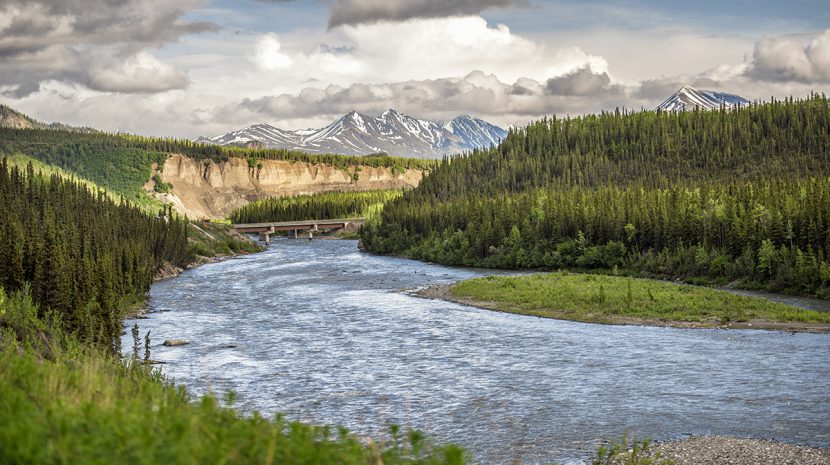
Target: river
329 335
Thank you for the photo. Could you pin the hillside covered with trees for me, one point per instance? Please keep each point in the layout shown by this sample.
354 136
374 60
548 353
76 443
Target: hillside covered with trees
79 253
721 196
326 205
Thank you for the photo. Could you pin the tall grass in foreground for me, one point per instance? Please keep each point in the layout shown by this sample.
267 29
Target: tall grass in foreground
61 403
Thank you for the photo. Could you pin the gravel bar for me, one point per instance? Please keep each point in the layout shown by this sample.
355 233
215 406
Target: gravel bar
722 450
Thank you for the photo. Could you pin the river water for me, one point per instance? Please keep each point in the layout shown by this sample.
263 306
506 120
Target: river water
329 335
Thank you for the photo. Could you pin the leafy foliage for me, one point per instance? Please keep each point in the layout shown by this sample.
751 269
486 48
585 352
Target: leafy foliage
628 452
215 239
712 196
160 186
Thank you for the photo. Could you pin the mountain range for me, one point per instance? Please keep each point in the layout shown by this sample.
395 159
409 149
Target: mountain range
392 132
358 134
689 98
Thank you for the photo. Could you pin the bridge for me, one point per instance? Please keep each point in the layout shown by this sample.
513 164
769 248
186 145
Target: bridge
306 226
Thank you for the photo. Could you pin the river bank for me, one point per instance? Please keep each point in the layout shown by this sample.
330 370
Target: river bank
210 243
726 450
501 294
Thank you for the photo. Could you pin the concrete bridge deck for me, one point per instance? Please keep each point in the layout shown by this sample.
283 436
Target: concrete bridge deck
266 229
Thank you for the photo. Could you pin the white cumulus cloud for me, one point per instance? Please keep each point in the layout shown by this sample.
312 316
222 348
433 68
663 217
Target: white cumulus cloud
141 72
786 59
268 53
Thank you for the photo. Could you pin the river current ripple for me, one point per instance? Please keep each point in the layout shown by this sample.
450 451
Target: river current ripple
329 335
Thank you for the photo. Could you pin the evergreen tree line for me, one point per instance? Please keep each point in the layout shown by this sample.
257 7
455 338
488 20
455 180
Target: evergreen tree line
328 205
79 253
719 196
656 148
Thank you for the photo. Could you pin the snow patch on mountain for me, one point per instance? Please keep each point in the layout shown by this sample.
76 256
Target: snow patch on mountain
689 98
358 134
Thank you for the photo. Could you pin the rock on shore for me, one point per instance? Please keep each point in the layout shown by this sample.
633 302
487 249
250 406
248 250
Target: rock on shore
723 450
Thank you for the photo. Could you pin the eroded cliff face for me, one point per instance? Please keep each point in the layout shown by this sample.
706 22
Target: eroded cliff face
205 189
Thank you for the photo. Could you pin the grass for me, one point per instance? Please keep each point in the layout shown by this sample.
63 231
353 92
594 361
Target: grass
612 299
141 199
218 240
61 404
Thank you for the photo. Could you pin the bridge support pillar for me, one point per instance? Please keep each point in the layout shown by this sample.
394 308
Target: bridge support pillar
295 234
310 235
265 237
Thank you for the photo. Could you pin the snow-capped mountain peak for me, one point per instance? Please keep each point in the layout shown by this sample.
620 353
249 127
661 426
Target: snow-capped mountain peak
478 133
689 98
392 132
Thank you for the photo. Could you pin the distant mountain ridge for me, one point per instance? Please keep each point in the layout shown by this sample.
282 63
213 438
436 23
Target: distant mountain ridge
689 98
11 118
358 134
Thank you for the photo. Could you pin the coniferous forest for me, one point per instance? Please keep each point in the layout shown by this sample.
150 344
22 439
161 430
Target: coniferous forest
327 205
707 196
80 254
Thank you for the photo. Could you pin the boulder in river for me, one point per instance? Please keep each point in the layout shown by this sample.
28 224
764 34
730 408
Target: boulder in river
175 342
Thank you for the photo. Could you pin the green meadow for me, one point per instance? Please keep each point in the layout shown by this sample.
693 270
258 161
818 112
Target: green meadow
612 299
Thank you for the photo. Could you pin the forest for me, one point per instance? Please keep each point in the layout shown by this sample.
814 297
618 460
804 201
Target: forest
70 259
328 205
79 254
730 196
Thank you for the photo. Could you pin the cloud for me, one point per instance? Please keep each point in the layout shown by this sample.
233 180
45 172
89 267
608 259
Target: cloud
28 26
785 59
434 48
139 73
581 82
268 53
414 50
663 87
476 93
353 12
61 39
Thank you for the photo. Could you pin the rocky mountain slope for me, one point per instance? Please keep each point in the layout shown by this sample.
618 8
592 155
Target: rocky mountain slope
357 134
689 98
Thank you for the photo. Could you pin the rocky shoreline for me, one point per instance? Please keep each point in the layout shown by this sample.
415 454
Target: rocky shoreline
443 292
726 450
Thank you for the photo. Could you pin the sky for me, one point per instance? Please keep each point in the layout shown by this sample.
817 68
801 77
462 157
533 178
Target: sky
189 68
